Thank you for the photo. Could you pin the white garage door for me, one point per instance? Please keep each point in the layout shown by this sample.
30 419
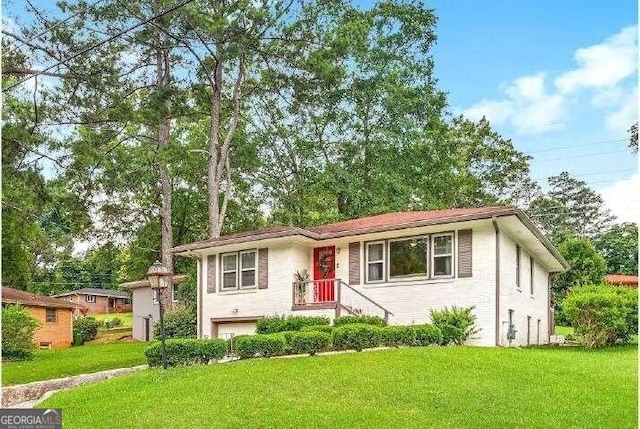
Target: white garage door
227 330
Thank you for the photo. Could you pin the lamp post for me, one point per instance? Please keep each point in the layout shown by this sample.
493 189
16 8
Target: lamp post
159 276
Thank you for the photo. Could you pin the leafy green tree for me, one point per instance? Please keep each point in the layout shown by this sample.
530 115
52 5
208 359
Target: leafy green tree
587 267
18 329
633 138
619 247
570 207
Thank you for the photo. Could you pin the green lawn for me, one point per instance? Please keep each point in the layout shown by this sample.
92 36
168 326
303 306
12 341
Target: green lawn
47 364
126 318
418 387
565 330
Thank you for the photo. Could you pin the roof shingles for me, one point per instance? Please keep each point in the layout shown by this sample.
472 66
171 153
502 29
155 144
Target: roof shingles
15 296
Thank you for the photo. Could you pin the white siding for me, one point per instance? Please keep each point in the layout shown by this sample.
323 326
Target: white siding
520 299
143 306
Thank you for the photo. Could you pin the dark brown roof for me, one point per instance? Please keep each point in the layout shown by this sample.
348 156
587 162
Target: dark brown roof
383 222
15 296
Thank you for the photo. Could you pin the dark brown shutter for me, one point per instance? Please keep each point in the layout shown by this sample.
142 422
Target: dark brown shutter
354 263
263 268
211 274
465 258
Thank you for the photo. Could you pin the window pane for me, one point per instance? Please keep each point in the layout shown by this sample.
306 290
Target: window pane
375 252
442 266
229 262
442 245
51 314
229 280
248 278
408 258
249 260
375 272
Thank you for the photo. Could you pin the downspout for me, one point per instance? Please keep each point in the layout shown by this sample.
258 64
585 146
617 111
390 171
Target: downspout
497 230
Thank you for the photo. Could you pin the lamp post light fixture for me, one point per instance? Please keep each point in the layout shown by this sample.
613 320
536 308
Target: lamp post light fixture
159 277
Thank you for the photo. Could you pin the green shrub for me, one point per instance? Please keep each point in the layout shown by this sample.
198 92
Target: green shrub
396 336
456 325
18 328
427 335
602 315
311 342
88 326
181 323
112 323
317 328
367 320
186 351
357 336
264 345
273 324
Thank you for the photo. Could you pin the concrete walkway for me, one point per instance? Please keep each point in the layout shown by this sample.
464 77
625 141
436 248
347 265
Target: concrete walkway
31 394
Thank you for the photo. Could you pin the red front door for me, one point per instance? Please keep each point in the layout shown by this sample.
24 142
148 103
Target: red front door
324 268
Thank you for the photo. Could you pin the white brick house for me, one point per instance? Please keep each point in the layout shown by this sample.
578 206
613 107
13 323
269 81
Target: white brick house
396 265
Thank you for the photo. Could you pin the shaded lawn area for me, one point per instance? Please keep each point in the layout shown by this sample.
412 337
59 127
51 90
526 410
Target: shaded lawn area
48 364
565 331
126 318
417 387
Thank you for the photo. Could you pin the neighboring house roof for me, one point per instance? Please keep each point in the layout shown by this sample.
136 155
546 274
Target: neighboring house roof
621 279
15 296
379 223
96 291
178 278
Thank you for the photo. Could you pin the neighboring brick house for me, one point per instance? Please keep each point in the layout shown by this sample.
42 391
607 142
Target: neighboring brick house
622 280
55 316
99 301
397 266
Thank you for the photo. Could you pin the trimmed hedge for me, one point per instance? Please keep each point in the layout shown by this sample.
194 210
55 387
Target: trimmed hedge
396 336
367 320
427 335
271 325
88 326
264 345
180 323
357 336
311 342
186 351
317 328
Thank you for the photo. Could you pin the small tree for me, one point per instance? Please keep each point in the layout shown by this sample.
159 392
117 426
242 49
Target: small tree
602 315
457 325
18 328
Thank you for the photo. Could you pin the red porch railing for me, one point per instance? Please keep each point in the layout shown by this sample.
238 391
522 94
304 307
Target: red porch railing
315 291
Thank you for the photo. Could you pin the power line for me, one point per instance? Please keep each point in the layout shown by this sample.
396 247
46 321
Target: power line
54 26
578 145
101 43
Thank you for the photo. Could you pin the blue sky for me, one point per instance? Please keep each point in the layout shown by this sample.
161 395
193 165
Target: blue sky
549 75
558 78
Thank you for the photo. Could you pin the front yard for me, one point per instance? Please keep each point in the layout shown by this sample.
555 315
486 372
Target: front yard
48 364
416 387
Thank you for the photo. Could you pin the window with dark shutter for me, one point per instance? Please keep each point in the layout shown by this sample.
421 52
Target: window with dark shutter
211 274
465 257
263 268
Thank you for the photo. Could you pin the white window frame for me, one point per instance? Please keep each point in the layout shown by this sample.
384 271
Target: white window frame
518 266
174 289
433 256
426 262
223 271
532 269
368 262
241 269
91 299
155 296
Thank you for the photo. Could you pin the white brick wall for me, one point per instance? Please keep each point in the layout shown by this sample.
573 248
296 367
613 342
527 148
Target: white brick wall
520 299
409 301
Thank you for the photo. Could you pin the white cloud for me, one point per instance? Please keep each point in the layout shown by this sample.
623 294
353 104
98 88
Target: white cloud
622 198
626 114
527 106
534 103
603 65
